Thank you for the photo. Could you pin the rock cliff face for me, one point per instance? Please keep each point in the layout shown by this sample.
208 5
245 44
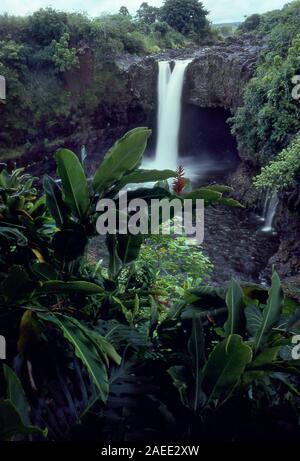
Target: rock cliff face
287 258
216 76
287 225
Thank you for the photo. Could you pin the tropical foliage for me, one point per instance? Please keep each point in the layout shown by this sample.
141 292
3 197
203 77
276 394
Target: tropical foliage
282 173
122 336
270 116
61 68
65 305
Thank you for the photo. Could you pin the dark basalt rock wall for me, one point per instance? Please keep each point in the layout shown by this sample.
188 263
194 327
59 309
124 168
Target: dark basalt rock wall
287 259
216 77
287 224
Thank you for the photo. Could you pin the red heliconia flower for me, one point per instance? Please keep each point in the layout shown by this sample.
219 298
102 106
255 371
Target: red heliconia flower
179 182
211 319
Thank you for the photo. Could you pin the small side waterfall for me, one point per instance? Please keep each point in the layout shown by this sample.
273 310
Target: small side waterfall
170 85
266 197
269 212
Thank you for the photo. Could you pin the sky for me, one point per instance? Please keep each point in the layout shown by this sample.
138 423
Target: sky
220 10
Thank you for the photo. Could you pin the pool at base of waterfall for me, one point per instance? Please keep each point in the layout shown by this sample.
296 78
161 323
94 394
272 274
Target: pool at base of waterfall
236 246
238 242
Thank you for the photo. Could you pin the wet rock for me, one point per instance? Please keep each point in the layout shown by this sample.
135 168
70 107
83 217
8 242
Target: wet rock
235 245
286 258
216 76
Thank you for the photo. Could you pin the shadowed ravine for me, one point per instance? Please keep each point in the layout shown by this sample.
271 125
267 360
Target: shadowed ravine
233 238
203 144
236 246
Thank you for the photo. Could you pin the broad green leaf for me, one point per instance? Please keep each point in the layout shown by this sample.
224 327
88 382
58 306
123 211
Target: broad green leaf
266 357
225 367
70 243
204 193
289 368
125 155
85 350
209 294
106 348
254 294
44 271
271 313
235 305
59 287
74 183
102 345
254 319
128 314
154 316
17 285
54 200
15 410
114 260
175 310
129 246
220 188
165 185
196 346
29 332
38 207
200 313
180 379
286 380
269 355
148 194
15 394
11 423
230 202
13 235
140 176
5 179
214 195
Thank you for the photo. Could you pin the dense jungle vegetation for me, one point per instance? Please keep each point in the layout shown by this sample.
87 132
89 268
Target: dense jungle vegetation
91 342
140 346
43 57
269 121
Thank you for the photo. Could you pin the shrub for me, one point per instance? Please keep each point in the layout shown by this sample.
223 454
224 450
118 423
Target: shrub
282 172
188 16
174 262
270 116
64 57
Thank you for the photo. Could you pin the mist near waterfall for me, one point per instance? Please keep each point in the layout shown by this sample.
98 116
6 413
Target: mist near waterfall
198 139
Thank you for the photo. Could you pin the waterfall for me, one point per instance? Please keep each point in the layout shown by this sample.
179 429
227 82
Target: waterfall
267 197
170 85
271 205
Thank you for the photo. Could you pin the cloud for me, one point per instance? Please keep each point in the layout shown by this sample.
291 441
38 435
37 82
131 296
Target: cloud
235 10
220 10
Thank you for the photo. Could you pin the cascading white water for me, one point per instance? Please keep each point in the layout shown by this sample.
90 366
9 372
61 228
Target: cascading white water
170 85
267 198
270 211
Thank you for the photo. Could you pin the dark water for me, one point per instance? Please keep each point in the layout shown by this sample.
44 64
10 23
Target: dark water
236 246
207 149
233 240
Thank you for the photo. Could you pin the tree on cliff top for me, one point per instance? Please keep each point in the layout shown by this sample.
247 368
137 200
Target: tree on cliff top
250 24
123 11
186 16
147 14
